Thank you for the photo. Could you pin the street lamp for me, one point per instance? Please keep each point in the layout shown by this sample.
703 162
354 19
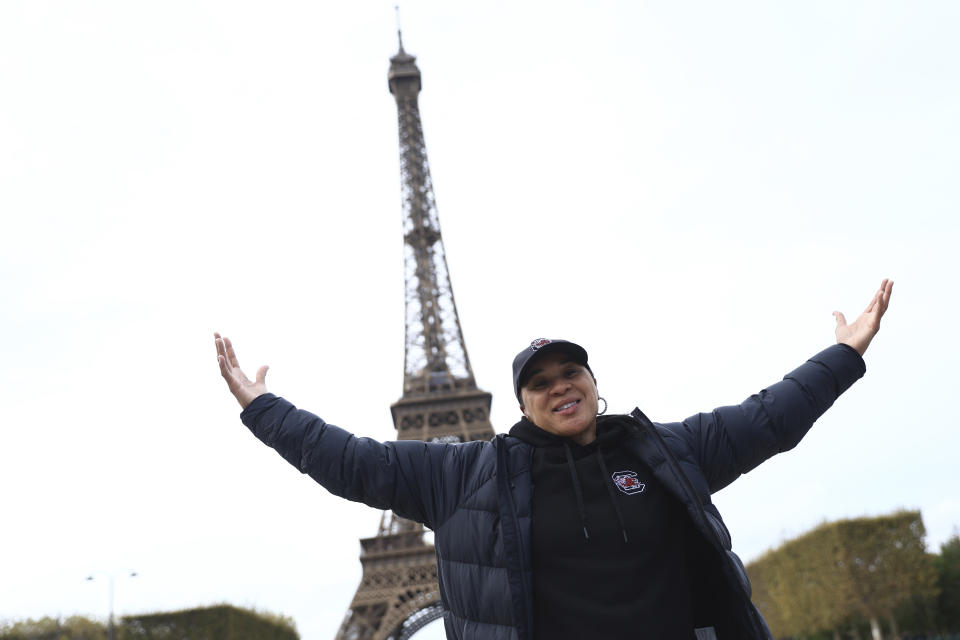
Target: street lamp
109 576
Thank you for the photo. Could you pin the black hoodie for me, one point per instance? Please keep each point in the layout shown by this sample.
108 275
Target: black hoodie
608 541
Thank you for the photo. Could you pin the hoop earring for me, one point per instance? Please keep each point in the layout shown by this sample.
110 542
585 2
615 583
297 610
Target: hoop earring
600 413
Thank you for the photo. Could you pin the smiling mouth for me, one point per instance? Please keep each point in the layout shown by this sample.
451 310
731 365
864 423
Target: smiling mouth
566 406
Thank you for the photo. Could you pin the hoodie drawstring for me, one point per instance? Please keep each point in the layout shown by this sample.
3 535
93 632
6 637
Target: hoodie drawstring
613 497
577 490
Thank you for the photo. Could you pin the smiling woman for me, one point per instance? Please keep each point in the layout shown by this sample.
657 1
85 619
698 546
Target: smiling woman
557 390
618 497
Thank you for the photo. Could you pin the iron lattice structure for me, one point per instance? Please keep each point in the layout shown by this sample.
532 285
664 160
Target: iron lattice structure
398 593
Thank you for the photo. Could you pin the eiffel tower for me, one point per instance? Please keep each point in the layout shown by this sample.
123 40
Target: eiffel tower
398 593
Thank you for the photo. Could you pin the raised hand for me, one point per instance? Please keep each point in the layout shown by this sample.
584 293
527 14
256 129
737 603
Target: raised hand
860 332
240 385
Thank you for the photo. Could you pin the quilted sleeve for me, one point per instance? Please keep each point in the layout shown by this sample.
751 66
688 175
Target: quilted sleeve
730 441
416 480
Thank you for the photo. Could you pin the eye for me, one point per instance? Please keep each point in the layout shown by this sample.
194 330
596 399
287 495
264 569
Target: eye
538 384
572 372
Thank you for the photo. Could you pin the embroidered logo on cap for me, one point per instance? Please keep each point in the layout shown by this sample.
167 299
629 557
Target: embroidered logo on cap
627 482
539 342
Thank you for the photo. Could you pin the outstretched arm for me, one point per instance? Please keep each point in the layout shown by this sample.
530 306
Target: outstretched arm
732 440
242 388
418 480
860 332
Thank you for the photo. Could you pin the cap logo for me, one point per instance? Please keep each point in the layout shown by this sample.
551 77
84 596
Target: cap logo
627 482
539 342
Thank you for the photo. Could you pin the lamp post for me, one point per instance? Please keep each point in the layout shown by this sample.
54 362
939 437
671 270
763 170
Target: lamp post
110 579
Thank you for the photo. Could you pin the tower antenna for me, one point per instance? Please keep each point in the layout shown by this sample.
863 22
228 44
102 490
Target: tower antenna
396 10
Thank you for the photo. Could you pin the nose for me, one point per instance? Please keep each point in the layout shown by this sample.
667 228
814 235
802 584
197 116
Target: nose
559 386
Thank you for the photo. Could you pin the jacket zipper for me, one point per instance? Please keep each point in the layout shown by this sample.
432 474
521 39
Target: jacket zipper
502 466
678 472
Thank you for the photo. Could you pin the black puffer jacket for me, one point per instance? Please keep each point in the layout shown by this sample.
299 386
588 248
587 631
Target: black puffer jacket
476 496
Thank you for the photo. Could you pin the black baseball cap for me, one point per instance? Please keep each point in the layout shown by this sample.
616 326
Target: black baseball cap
544 345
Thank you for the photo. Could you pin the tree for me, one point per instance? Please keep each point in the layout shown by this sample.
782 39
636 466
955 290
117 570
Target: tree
948 579
888 565
221 622
73 628
802 587
844 572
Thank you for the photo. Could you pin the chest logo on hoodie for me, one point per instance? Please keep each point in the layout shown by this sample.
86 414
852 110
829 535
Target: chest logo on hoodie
627 482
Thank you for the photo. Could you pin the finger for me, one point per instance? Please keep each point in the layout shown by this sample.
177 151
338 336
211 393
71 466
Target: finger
841 320
231 354
224 370
880 297
887 290
873 301
262 375
221 350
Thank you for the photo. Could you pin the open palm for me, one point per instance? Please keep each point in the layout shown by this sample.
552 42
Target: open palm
860 332
243 388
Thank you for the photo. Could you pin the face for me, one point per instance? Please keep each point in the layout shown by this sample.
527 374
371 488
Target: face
560 396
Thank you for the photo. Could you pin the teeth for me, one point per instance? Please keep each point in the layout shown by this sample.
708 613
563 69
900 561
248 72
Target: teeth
566 406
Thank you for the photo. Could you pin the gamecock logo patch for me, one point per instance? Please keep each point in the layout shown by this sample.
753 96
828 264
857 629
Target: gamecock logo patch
627 482
539 342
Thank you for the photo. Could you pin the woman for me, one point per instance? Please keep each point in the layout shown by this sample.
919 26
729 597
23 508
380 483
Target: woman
620 538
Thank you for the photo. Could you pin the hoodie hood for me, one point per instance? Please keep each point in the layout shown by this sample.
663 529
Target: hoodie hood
552 451
610 432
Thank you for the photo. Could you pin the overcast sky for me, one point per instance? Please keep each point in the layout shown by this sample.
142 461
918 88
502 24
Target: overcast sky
689 189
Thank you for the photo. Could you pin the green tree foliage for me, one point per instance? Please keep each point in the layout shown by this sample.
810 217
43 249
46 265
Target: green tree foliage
887 563
222 622
73 628
764 577
948 579
843 572
801 587
920 614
